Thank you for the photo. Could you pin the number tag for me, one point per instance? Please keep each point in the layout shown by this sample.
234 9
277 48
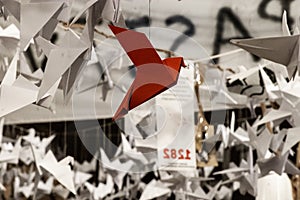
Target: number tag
175 122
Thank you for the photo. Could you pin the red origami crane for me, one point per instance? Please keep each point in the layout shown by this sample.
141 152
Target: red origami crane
153 75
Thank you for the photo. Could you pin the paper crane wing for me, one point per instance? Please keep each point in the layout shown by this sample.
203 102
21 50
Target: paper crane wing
153 75
45 10
13 6
13 156
276 164
137 46
292 138
276 49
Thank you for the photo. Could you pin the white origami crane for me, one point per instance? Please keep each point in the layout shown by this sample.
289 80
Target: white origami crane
49 12
155 189
282 49
9 38
80 178
46 187
11 156
11 85
70 53
102 190
60 170
220 93
39 143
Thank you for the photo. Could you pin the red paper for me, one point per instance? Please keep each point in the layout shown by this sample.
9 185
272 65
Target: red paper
153 75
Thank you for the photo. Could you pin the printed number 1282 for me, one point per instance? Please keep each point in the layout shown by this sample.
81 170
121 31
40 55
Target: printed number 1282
179 154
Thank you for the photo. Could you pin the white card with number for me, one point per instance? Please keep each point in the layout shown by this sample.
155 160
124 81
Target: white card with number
175 124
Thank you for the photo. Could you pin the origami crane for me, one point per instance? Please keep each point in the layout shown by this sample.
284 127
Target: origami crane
68 55
49 12
282 49
12 85
153 75
60 170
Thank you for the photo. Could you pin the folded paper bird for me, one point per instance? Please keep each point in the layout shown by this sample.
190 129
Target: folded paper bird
282 49
153 75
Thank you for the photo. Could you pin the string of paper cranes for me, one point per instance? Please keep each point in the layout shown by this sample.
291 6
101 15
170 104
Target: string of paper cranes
165 151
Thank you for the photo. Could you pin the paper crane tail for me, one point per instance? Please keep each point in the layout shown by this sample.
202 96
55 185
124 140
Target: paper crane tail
150 81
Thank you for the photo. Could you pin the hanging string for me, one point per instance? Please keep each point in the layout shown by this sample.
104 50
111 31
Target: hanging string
110 132
65 138
21 131
49 132
104 130
170 53
50 128
14 130
149 14
75 136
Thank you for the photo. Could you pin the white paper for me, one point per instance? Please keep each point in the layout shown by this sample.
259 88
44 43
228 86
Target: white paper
175 122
